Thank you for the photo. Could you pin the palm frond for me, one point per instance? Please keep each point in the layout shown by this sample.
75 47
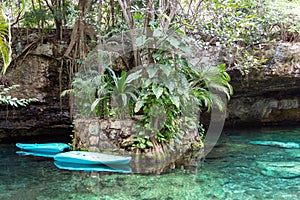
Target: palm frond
4 45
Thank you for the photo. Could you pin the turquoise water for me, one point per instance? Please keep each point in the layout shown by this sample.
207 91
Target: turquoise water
234 169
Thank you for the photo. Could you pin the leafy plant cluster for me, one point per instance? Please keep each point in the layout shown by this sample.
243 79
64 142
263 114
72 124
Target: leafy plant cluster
166 96
240 29
12 101
39 13
6 21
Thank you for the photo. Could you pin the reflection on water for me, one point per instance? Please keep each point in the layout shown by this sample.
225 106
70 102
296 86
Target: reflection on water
234 169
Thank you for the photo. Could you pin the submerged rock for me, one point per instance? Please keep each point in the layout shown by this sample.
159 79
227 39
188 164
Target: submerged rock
295 153
280 169
287 145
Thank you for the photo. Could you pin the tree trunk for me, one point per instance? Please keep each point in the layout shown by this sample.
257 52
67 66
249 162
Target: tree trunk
78 37
126 9
112 7
149 32
56 9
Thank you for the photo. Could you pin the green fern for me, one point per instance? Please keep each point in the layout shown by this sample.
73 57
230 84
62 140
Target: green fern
13 101
4 45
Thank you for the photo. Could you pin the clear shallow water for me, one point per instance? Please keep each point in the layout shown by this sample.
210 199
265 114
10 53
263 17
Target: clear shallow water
230 171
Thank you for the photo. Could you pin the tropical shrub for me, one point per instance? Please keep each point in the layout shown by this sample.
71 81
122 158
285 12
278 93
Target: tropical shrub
84 88
167 92
120 91
167 95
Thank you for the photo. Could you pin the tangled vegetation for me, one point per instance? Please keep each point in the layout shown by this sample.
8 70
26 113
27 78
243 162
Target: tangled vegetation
134 59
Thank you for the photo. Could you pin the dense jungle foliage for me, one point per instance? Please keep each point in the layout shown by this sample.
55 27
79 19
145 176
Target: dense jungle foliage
138 59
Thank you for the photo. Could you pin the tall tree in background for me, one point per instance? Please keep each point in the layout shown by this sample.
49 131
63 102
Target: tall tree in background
80 31
56 7
163 15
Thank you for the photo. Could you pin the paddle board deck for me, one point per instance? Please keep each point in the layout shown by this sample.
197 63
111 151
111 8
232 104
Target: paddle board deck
92 168
84 157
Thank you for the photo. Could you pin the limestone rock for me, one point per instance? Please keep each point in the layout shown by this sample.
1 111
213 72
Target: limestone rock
94 140
93 129
44 49
268 95
287 145
293 152
115 124
280 169
33 37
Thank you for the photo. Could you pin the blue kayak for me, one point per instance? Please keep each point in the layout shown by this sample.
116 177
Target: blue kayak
46 147
93 168
91 158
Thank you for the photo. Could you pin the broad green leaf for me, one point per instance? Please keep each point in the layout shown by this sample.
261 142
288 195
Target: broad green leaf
174 42
149 143
152 70
65 92
140 41
133 96
167 17
111 73
95 103
157 32
141 133
157 91
138 106
175 100
147 82
13 103
124 100
133 76
137 16
170 84
180 31
166 69
23 103
23 5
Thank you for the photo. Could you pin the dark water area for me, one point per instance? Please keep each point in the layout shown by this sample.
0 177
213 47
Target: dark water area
234 169
37 136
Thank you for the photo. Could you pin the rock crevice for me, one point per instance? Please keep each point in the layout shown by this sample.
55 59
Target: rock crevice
269 95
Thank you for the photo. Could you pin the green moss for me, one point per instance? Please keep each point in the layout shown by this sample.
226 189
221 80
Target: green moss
197 145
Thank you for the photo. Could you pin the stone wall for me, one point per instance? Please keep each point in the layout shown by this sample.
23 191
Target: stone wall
107 135
96 135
